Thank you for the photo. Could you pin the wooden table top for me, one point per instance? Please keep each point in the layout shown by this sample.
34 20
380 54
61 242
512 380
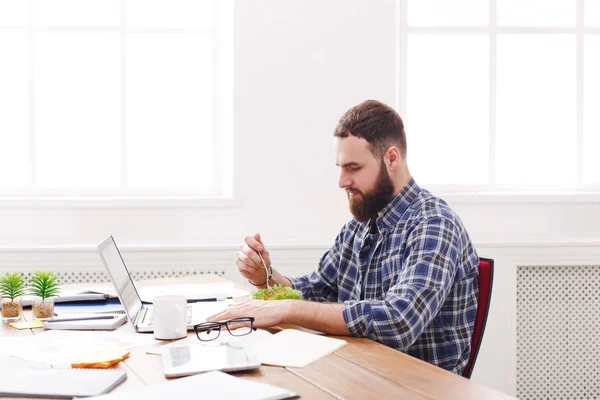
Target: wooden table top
363 369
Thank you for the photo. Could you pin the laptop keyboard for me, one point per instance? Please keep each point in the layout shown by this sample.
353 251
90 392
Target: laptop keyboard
149 317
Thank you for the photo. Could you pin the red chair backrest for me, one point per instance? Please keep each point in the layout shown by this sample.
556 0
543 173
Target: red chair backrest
486 280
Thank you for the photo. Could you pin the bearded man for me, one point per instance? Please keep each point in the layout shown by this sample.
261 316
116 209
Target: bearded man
403 272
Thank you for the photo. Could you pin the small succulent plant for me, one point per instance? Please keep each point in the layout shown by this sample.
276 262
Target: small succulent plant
44 284
12 285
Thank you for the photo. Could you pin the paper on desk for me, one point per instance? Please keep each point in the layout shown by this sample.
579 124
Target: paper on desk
192 290
63 347
294 348
36 323
213 385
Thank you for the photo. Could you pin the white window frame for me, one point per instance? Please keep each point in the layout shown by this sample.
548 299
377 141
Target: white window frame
493 192
223 196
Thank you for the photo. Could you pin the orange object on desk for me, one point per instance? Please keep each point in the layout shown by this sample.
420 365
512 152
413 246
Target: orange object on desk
100 359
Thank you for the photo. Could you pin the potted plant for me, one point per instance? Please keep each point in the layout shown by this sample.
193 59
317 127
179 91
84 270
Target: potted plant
45 286
12 287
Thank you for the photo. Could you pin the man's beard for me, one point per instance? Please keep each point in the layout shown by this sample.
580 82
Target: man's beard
369 204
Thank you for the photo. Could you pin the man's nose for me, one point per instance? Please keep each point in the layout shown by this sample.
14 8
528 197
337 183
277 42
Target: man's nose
344 181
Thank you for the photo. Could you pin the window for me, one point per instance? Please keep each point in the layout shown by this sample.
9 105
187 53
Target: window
116 97
501 94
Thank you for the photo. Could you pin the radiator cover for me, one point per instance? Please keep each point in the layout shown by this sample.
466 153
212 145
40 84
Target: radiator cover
97 275
558 332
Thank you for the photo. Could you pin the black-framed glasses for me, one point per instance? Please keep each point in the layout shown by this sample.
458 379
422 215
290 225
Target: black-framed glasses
236 327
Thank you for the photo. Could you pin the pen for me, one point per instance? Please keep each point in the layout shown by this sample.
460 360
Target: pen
81 318
207 299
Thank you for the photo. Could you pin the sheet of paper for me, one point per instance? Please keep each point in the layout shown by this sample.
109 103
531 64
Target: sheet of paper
294 348
63 347
213 385
75 289
192 290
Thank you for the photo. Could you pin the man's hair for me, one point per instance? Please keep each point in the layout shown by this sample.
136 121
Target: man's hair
377 123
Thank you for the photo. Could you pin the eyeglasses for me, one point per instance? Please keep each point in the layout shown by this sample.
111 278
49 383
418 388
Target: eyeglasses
207 331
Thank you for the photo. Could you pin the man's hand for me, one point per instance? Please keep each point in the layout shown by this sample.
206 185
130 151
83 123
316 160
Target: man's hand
266 313
248 261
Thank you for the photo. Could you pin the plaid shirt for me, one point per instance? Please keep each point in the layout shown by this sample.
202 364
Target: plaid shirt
419 292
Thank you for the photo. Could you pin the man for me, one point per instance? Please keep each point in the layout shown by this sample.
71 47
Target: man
403 272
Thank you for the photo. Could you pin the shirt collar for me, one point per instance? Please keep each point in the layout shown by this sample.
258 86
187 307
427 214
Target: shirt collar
392 213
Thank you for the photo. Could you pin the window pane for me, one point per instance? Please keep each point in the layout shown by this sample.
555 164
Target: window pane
78 110
14 115
77 13
13 13
591 141
448 108
536 137
170 115
592 12
170 13
536 12
447 13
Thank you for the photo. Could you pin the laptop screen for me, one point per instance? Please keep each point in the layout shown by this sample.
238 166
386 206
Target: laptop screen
120 276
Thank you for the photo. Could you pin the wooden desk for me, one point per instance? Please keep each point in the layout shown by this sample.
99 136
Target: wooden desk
363 369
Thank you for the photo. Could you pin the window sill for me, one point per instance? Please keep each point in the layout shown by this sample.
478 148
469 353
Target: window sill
120 202
520 197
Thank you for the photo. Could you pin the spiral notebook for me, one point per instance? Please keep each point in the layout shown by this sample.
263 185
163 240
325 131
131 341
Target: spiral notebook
60 383
84 322
104 307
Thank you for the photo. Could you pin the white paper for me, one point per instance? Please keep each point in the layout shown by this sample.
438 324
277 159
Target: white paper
64 347
213 385
294 348
192 290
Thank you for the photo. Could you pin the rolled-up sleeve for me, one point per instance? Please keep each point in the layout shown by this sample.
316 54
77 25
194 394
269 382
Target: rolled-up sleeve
320 284
427 269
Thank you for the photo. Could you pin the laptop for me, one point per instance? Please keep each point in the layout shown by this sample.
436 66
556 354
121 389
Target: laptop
141 315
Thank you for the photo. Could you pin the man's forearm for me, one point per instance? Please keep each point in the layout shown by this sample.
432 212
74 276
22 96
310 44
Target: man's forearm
323 317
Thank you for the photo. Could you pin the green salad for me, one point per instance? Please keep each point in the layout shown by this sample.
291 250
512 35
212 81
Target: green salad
278 292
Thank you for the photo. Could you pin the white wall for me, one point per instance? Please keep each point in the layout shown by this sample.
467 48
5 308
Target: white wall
298 67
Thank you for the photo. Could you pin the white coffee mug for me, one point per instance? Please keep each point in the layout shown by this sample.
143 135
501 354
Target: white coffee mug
170 317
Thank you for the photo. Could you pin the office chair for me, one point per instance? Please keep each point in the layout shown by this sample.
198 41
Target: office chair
486 280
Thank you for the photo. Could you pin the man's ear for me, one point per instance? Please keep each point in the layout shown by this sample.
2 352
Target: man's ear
393 158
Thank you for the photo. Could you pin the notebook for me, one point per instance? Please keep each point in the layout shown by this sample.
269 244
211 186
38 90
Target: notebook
89 307
59 383
139 315
213 385
81 322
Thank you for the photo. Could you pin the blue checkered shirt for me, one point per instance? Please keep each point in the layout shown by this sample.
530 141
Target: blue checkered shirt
418 293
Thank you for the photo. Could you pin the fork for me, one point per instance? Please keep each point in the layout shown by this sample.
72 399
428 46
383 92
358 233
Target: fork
266 271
